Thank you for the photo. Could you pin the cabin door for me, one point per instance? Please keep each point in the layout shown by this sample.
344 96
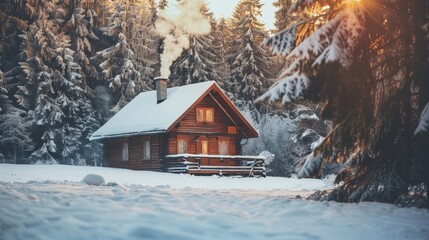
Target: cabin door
203 148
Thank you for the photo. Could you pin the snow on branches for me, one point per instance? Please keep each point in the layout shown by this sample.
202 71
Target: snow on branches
3 92
289 88
334 41
424 121
300 3
283 42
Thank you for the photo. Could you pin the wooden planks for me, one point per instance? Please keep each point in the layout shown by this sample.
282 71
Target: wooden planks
113 153
220 125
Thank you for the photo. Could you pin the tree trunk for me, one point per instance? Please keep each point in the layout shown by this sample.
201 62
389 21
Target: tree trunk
421 71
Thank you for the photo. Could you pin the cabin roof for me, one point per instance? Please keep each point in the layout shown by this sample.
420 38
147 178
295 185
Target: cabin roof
143 115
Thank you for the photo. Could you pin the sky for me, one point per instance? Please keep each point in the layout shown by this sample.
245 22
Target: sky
226 7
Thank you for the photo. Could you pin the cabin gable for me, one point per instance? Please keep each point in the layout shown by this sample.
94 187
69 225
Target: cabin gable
191 124
214 98
200 134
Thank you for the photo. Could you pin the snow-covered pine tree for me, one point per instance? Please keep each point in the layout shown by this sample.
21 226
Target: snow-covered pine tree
221 45
283 19
249 60
117 65
15 141
37 92
374 86
53 90
198 63
81 31
78 120
15 124
145 42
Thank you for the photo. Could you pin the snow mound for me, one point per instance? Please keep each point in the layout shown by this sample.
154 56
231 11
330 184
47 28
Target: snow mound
94 179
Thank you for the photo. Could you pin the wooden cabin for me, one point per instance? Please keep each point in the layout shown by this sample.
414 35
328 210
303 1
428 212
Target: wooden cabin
192 129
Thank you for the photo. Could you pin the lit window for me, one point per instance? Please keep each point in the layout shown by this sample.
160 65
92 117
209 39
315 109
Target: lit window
223 147
209 115
146 150
205 115
200 115
182 146
125 155
205 147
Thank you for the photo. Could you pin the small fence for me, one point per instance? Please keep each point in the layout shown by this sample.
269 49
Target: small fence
199 164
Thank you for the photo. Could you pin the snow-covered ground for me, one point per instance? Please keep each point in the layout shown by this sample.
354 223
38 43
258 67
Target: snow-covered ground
52 202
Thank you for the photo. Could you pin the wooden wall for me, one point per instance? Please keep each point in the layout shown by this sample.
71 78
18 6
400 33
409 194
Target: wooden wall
190 129
188 124
113 152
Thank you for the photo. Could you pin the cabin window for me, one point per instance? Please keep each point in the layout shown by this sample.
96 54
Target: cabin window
146 150
200 115
205 115
204 147
125 155
182 145
223 147
209 115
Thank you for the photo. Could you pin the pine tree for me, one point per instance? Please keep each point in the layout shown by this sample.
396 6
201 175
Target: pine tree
370 83
15 124
249 61
15 141
81 30
53 90
283 19
37 91
117 64
84 75
145 43
221 45
198 63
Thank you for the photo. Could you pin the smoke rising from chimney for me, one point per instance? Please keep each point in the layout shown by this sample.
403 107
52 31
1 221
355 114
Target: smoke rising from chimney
176 26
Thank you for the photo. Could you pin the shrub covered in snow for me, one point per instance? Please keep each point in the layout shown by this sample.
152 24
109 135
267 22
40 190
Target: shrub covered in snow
269 157
288 135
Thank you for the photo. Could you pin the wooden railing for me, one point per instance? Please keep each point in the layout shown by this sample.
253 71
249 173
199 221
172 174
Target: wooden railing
224 164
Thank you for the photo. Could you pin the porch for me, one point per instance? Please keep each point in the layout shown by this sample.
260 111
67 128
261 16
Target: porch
200 164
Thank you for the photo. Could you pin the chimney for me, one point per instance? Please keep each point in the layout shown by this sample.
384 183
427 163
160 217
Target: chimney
161 89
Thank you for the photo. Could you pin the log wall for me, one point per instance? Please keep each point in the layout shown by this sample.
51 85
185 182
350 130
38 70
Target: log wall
113 152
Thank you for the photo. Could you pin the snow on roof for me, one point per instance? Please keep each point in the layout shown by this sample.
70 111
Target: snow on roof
144 115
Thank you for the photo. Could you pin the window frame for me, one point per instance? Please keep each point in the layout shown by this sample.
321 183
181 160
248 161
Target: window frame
207 147
125 151
205 110
145 151
227 146
186 140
